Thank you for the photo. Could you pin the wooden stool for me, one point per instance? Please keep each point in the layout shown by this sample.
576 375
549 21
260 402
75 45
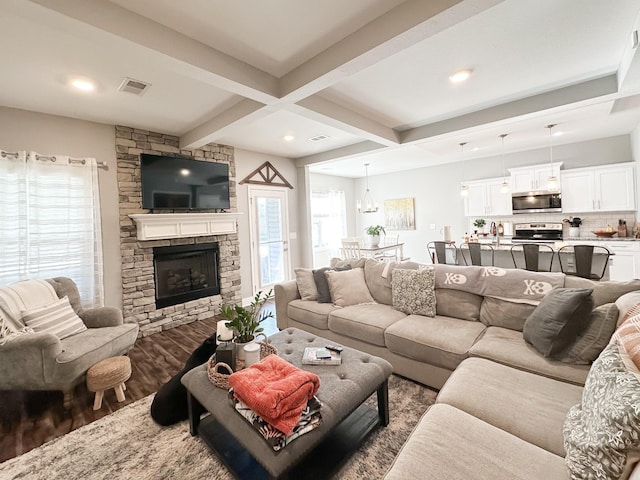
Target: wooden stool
108 373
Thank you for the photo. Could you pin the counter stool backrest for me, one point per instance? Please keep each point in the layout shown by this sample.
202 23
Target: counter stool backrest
531 253
475 253
579 260
438 252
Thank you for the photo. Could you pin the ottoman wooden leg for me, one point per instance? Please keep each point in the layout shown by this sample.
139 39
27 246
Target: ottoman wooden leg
97 402
119 392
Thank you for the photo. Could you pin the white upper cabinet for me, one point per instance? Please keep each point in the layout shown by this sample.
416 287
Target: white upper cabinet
606 188
534 178
485 198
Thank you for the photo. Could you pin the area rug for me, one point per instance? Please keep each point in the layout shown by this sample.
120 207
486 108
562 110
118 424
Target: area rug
129 444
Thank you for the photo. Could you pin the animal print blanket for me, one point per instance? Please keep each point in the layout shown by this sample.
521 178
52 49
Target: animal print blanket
511 284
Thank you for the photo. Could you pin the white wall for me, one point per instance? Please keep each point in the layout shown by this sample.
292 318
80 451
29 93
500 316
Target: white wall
436 189
50 134
246 162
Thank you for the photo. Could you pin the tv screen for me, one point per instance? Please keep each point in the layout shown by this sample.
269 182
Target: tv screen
182 183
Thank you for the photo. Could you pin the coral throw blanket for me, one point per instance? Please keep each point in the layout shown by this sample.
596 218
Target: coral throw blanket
275 390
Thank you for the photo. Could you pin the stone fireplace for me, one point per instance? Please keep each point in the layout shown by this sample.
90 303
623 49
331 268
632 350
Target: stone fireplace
138 249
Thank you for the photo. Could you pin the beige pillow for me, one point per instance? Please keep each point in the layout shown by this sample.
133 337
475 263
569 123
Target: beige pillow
306 283
348 287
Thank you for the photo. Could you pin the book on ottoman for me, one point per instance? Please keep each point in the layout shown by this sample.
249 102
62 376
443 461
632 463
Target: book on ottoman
320 356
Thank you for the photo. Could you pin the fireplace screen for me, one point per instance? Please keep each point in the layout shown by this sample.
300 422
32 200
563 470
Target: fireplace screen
185 272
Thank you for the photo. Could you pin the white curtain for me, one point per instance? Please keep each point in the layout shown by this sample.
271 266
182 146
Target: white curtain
50 221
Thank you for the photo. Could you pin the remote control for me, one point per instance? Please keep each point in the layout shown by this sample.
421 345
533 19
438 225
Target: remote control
334 348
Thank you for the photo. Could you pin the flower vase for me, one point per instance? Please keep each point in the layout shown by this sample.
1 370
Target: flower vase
375 240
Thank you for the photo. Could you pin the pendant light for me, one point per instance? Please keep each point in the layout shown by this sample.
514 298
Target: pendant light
367 205
504 187
552 181
464 188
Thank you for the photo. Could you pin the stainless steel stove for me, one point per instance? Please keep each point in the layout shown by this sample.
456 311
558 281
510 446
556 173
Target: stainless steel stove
537 232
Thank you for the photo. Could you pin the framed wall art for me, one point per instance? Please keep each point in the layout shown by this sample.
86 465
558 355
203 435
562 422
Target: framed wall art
399 214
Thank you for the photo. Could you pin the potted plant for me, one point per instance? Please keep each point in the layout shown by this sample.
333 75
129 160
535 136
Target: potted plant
479 223
574 225
374 232
245 321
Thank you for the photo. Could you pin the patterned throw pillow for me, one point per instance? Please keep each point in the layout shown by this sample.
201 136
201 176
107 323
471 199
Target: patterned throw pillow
57 318
601 432
413 291
628 336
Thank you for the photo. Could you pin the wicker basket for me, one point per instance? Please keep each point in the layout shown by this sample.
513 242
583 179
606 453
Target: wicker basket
220 379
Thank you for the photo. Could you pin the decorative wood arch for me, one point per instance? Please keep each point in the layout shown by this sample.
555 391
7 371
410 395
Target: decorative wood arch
266 174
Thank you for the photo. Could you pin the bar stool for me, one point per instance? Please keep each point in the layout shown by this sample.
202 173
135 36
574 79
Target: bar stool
578 260
438 252
531 253
475 253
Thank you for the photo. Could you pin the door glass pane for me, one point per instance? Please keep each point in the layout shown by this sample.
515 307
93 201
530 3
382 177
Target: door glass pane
329 224
271 240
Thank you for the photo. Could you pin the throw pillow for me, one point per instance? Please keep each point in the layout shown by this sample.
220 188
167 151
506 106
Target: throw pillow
413 291
628 336
57 318
558 319
589 344
324 295
348 287
601 433
306 283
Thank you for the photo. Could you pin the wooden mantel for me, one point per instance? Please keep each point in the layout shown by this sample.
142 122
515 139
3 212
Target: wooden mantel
157 226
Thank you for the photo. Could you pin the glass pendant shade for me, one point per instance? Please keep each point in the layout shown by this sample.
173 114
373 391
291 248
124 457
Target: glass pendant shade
552 181
464 190
367 205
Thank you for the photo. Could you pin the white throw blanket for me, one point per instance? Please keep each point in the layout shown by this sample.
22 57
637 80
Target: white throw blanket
18 297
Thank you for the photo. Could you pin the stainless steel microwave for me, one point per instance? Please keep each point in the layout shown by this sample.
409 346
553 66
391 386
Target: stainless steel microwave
536 202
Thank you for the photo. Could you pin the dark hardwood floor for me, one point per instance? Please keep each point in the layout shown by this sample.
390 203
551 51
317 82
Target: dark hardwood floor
29 419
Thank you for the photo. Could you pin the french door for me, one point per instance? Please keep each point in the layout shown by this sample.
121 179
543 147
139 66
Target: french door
269 226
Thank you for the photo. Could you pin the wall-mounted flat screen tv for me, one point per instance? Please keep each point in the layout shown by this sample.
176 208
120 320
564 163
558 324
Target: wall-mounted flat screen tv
183 183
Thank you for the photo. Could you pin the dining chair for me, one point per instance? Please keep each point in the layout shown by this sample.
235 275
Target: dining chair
390 255
528 256
351 248
443 252
474 253
586 261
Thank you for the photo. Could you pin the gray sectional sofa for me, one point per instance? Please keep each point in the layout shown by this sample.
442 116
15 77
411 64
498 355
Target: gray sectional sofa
502 405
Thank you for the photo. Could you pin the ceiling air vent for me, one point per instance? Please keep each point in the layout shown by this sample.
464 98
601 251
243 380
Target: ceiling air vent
130 85
318 138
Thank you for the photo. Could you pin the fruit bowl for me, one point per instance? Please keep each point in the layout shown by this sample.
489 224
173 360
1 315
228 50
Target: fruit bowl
604 233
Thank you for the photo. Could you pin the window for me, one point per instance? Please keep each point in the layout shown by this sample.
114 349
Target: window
50 221
329 224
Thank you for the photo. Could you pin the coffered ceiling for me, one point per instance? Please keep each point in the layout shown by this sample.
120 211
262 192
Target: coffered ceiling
369 75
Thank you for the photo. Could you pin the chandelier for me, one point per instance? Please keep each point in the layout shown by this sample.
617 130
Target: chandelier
504 187
367 205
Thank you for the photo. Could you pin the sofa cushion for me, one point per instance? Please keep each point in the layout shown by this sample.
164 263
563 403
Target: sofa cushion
306 283
600 327
310 313
413 292
348 287
322 285
57 318
440 341
448 443
366 322
502 313
558 319
378 277
604 429
499 395
603 292
508 347
458 304
349 262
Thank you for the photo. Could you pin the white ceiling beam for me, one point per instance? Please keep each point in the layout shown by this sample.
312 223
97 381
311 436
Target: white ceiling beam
391 33
594 90
337 116
350 151
204 63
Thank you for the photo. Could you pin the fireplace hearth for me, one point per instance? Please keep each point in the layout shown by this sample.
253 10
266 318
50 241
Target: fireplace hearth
185 272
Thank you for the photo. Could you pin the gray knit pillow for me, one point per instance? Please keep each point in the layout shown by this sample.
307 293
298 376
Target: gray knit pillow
413 291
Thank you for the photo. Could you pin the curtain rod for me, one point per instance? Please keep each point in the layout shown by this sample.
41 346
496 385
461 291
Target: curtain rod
53 158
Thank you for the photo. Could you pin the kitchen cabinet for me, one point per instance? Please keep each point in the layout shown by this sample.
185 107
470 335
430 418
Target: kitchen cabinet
533 178
485 198
607 188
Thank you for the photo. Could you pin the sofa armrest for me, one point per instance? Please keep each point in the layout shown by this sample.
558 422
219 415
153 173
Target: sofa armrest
27 360
285 292
102 317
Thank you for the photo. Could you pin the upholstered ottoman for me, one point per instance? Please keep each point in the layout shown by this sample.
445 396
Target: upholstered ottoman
345 419
108 373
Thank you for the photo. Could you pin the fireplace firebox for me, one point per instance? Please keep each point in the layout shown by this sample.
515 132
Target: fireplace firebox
185 272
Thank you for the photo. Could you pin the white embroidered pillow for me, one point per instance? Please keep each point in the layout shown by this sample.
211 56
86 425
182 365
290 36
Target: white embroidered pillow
57 318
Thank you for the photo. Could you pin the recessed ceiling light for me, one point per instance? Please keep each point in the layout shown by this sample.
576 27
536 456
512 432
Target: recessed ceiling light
289 138
84 85
460 76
